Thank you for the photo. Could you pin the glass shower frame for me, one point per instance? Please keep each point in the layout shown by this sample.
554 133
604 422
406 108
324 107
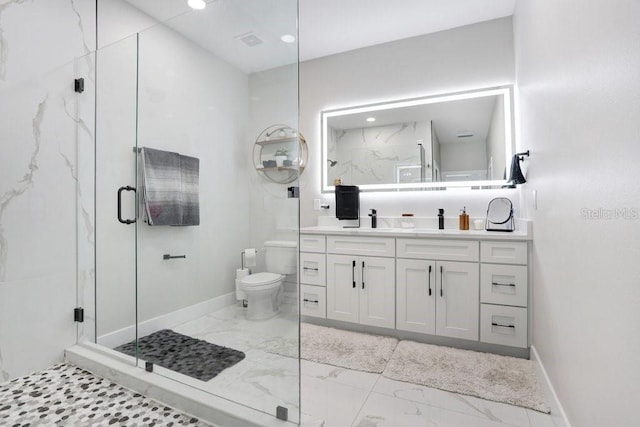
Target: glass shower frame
125 261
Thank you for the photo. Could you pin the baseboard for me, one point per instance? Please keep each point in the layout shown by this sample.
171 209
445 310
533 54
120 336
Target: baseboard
550 392
170 320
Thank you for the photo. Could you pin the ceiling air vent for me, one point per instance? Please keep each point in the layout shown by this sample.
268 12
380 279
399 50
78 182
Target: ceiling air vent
249 39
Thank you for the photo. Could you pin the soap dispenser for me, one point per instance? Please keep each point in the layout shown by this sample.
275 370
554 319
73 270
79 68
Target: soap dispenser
441 219
464 219
374 218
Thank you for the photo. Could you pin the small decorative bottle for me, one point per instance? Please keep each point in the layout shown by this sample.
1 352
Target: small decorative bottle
464 219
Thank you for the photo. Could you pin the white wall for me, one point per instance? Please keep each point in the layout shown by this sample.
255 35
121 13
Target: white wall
190 102
577 71
40 138
479 55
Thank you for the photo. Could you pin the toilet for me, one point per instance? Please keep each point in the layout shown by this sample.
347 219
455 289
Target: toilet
263 289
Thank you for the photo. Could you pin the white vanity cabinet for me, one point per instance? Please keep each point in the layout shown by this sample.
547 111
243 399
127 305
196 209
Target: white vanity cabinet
436 296
313 276
360 288
504 293
472 287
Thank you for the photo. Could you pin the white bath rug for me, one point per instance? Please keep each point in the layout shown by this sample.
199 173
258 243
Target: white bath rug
488 376
352 350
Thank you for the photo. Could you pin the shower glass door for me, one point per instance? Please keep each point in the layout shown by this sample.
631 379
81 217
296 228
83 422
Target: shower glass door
180 105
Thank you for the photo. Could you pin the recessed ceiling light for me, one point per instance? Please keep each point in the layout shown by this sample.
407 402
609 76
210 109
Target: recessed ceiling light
288 38
197 4
371 119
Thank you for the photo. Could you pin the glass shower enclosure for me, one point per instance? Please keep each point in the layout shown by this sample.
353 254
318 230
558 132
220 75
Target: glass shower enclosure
181 99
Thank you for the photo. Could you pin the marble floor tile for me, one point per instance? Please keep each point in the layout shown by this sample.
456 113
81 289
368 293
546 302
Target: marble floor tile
387 411
537 419
492 411
335 404
357 379
258 386
265 378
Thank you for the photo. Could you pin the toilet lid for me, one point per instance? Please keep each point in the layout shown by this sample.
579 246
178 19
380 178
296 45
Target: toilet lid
261 279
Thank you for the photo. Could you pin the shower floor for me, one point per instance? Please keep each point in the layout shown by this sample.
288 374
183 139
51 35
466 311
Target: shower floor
65 395
268 376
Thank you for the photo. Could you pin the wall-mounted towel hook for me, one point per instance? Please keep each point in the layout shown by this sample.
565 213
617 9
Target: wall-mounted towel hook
515 175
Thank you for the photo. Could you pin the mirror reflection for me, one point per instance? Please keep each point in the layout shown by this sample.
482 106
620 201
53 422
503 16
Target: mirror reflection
461 139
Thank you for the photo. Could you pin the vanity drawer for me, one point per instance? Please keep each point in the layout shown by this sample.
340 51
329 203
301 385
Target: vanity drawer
313 269
374 246
446 250
503 284
313 301
504 252
503 325
312 243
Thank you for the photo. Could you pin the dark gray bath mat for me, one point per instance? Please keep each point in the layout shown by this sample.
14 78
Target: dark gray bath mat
180 353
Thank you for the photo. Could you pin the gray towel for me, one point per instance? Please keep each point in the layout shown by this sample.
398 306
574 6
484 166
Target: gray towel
170 188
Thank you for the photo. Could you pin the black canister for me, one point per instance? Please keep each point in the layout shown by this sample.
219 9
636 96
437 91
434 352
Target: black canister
441 219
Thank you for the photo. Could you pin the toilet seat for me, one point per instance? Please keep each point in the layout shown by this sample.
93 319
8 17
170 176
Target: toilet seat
261 281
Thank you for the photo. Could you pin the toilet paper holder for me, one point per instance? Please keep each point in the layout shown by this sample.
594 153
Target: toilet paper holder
242 258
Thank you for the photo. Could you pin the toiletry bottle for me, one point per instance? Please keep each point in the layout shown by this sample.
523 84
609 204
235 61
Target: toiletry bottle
374 218
441 219
464 219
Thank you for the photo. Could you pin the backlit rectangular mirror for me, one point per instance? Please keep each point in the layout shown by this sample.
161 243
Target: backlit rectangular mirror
452 140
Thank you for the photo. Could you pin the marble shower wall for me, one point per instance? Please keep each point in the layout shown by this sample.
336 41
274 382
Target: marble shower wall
45 135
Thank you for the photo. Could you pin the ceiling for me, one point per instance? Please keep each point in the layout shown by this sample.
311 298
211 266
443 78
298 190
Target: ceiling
333 26
326 27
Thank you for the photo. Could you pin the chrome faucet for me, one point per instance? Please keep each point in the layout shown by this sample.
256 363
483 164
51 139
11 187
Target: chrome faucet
374 218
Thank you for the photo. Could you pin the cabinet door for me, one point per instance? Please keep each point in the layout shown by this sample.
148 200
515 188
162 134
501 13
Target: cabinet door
415 296
342 289
377 291
458 299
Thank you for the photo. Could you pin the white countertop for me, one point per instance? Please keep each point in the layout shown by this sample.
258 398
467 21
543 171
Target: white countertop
421 232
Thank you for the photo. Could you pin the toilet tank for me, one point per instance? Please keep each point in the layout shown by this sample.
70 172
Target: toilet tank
281 256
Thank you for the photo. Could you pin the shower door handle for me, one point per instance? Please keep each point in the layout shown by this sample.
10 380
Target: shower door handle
120 190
